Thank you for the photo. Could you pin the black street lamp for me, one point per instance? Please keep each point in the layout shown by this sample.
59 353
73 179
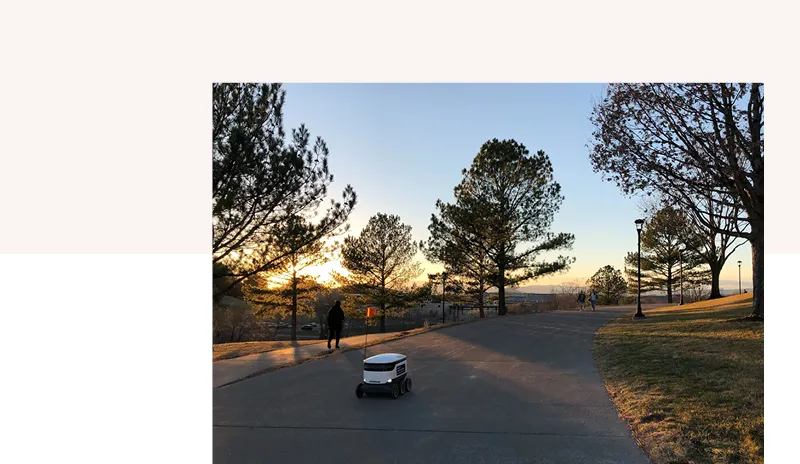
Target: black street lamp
639 223
443 278
740 277
680 255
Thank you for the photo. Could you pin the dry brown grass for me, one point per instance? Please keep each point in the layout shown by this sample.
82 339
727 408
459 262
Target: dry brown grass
360 346
689 380
234 350
237 349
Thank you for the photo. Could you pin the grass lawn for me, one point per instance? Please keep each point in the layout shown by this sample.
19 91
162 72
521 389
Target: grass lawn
234 350
689 380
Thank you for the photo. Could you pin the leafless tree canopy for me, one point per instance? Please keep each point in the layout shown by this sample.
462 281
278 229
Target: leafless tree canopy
690 143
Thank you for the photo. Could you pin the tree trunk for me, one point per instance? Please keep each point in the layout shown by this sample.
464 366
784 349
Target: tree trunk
383 304
383 317
669 285
716 269
501 295
501 302
480 301
294 307
757 244
321 327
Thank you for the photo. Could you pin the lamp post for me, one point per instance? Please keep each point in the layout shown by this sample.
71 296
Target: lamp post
639 223
443 278
680 255
740 277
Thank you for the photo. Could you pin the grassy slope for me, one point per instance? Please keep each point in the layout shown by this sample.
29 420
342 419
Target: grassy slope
689 380
236 349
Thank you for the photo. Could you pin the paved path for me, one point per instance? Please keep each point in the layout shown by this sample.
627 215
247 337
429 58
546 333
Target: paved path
230 370
516 389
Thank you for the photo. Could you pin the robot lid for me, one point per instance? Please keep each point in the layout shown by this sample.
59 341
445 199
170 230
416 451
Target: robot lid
386 358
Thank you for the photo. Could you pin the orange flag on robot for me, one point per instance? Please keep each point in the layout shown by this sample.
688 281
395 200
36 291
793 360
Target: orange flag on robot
370 313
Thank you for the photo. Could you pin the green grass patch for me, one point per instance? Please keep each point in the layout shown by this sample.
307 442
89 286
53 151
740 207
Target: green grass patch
689 380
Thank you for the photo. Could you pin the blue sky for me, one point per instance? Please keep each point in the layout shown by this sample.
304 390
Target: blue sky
402 146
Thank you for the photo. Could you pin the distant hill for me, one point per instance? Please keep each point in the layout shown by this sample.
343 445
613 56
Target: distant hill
658 296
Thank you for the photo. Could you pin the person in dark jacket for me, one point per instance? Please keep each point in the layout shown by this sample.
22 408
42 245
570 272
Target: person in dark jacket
582 299
335 318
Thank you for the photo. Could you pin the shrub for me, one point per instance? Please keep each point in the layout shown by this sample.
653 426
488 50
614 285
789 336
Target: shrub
232 322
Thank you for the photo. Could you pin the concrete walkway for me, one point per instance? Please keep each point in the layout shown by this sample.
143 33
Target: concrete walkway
516 389
230 370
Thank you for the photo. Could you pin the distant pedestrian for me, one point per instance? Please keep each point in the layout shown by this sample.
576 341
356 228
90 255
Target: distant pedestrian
335 318
593 299
582 299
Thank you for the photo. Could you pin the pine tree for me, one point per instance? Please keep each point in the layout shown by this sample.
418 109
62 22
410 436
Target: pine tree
381 266
608 284
668 243
508 197
260 181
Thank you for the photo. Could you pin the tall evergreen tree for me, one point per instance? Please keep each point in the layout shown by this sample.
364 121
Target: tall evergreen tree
608 284
278 298
286 285
667 243
260 181
381 266
508 198
467 265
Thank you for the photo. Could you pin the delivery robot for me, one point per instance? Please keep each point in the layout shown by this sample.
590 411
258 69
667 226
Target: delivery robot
385 373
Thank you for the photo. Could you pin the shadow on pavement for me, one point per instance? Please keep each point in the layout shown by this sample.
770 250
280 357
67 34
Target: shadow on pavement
478 388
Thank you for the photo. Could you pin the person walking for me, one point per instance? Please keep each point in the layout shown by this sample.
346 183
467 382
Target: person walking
335 318
593 299
581 299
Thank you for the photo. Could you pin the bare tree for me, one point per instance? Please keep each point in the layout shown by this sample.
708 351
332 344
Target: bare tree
695 292
707 243
565 296
686 142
